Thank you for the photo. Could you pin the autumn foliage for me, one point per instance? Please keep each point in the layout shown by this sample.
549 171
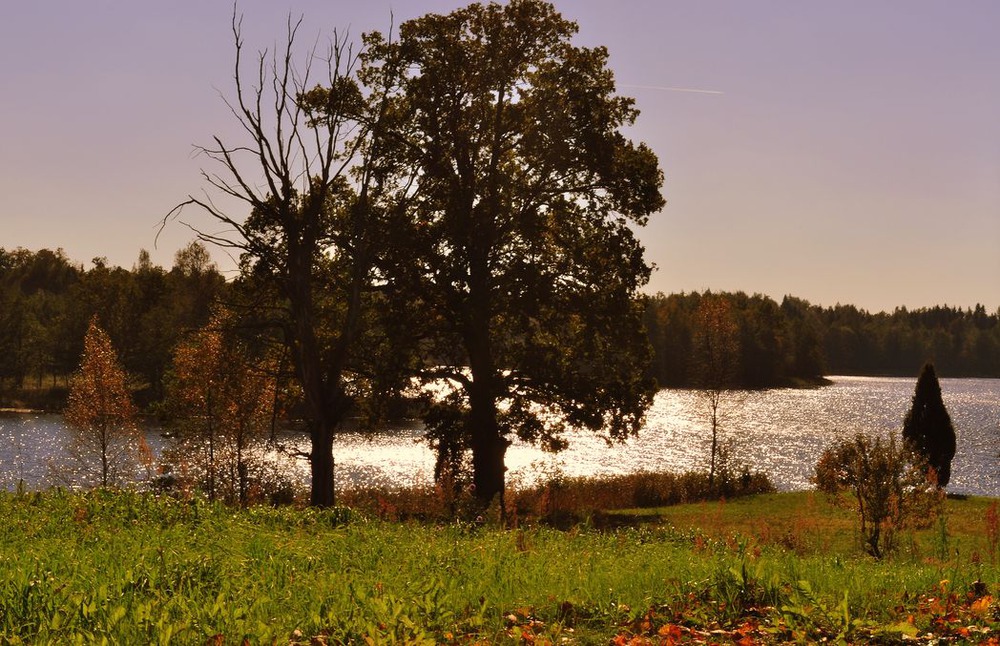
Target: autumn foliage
223 399
107 443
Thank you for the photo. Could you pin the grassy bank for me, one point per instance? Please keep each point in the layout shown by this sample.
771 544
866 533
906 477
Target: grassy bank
130 568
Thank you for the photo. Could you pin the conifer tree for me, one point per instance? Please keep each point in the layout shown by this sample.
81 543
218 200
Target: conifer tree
927 428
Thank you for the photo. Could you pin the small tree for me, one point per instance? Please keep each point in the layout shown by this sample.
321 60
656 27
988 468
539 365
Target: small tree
927 428
716 354
224 398
887 487
107 442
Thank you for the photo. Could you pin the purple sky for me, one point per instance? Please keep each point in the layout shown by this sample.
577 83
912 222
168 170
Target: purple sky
849 151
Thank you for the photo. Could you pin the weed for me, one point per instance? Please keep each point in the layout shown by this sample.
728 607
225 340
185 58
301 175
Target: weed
993 532
137 568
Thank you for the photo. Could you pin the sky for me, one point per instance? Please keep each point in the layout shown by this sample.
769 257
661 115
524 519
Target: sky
841 152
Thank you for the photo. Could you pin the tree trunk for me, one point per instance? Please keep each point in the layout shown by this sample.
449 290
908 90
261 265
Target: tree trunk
105 466
242 470
321 463
489 449
489 477
714 405
211 451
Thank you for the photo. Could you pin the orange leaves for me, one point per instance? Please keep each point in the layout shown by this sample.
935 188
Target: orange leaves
656 628
219 639
107 442
972 618
223 396
525 628
940 614
99 395
215 377
671 632
981 606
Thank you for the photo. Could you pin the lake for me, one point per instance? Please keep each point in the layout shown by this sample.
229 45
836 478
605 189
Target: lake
781 432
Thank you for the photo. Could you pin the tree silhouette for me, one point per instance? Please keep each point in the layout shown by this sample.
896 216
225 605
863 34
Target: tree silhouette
107 441
308 245
927 428
517 193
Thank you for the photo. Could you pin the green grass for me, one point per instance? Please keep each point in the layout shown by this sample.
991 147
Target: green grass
129 568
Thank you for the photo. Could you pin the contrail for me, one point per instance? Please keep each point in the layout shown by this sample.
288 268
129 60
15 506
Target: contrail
672 89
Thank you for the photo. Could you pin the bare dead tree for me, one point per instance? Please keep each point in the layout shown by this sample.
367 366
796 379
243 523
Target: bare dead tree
302 171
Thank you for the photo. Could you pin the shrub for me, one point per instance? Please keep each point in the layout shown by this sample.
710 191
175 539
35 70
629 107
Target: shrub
887 486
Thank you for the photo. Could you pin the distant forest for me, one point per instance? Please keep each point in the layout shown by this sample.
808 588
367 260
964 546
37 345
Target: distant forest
794 341
47 300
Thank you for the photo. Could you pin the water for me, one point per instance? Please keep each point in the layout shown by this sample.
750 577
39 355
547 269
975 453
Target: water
781 432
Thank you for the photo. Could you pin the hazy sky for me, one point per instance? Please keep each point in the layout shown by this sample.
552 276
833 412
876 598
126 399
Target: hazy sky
843 151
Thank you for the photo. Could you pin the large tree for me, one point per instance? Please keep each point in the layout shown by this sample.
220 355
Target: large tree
307 246
517 194
927 427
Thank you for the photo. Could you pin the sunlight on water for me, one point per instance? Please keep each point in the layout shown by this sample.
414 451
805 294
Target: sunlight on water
781 432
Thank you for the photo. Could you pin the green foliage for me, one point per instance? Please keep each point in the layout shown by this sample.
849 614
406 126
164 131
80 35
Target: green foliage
795 341
927 428
516 194
766 344
33 303
886 486
47 302
133 568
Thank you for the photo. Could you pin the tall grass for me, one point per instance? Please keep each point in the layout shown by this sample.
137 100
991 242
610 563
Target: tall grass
132 568
558 500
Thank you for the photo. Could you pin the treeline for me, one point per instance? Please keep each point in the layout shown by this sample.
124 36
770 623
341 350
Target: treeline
47 302
794 341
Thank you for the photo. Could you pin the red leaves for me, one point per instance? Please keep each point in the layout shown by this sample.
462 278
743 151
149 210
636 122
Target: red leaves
656 628
525 628
935 616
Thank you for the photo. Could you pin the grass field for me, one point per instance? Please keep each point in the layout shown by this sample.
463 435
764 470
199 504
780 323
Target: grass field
128 568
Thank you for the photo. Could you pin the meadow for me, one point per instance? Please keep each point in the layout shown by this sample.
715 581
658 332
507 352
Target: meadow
126 567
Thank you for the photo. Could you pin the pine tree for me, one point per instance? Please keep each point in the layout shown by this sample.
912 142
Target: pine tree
927 429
